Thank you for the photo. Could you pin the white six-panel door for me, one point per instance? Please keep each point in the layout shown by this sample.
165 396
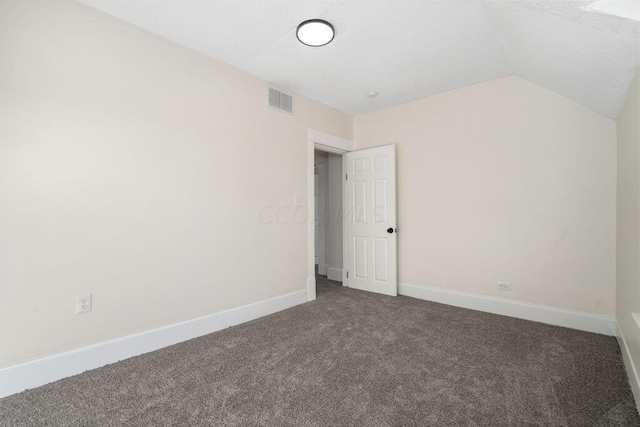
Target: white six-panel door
370 205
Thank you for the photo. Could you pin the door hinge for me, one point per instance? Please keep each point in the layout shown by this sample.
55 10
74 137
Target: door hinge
346 177
347 274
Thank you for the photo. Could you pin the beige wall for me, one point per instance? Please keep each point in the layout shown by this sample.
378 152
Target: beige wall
504 181
628 224
136 169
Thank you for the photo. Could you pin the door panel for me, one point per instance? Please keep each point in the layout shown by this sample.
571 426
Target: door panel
371 212
360 254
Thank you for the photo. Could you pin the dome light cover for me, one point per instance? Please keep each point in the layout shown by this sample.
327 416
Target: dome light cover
315 32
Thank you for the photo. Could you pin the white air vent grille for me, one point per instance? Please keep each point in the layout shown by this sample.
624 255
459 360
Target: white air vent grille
279 100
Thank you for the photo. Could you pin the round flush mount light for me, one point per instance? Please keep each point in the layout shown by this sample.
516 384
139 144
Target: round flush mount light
315 32
372 94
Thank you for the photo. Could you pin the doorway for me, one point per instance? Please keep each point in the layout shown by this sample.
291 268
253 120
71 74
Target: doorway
328 223
367 212
325 143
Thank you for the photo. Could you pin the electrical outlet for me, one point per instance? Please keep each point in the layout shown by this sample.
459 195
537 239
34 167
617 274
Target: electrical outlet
83 303
504 286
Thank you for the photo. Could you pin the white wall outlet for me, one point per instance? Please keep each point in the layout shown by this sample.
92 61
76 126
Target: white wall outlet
502 286
83 303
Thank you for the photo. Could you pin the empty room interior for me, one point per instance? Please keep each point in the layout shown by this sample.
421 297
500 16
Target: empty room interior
319 213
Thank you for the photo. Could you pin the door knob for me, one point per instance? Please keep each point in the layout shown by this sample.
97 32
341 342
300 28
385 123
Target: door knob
389 230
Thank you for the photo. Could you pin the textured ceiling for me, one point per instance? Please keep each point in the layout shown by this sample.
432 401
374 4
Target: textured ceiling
586 56
405 49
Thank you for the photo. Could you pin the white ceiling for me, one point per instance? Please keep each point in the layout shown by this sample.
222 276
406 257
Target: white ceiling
405 49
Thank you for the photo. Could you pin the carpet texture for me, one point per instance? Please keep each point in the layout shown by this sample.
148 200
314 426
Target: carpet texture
352 358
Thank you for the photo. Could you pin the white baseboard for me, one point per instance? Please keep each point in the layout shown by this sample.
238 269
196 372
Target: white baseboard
334 274
630 367
599 324
17 378
322 269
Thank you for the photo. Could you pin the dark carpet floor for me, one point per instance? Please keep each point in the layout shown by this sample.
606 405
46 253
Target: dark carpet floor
352 358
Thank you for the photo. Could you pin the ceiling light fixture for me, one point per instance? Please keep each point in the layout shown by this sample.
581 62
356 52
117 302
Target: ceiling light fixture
315 32
372 94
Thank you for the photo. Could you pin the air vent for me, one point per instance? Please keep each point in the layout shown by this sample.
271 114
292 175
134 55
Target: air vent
279 100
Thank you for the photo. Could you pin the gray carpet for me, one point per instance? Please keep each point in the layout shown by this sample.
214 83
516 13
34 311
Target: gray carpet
352 358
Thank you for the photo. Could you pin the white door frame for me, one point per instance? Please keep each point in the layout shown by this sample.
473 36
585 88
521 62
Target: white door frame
332 144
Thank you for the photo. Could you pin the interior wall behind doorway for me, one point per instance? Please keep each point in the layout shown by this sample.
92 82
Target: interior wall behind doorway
320 174
332 213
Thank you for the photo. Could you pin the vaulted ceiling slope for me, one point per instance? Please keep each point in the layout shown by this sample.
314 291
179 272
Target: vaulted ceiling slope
405 49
